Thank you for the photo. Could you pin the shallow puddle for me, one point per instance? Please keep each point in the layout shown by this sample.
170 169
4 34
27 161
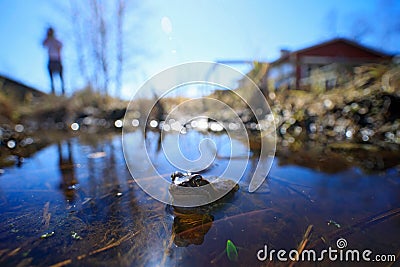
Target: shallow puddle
75 202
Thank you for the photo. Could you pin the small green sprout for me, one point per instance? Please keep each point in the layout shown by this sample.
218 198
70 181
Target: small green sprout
46 235
231 251
75 235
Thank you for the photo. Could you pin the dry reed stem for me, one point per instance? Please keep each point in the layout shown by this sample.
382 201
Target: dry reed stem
112 245
303 243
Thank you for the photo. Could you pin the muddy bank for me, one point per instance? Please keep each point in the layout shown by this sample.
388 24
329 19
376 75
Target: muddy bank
85 107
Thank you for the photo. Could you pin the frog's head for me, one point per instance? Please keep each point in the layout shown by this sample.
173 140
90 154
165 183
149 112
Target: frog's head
196 180
188 179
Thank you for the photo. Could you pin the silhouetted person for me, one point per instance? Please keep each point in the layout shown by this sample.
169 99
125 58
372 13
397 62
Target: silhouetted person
54 50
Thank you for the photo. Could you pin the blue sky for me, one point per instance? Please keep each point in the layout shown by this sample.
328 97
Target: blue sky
205 30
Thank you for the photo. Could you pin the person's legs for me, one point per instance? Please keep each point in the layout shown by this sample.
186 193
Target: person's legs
62 82
51 78
52 82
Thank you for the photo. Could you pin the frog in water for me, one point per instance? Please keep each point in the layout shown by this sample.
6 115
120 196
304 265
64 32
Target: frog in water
191 224
188 188
188 179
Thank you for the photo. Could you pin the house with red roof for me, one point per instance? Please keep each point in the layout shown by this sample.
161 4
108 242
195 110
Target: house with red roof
328 63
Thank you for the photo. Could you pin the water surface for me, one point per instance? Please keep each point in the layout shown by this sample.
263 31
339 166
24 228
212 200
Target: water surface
75 202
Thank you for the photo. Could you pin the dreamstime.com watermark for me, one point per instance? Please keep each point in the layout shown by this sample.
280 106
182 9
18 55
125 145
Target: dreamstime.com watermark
340 253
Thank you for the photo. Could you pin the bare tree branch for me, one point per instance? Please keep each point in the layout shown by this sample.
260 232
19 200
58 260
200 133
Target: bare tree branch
98 28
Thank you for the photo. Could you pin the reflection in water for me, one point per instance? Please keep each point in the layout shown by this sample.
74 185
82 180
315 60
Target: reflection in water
191 228
153 136
66 166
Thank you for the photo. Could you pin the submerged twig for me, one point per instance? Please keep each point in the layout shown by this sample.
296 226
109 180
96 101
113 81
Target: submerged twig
303 243
301 193
112 245
62 263
46 215
278 179
167 249
13 252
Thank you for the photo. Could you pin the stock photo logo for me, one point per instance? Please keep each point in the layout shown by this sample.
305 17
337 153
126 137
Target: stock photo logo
340 253
194 118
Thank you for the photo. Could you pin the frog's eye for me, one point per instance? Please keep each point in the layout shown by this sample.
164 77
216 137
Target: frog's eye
197 177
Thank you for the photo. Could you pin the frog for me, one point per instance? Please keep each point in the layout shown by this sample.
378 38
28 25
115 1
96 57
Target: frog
191 224
207 190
